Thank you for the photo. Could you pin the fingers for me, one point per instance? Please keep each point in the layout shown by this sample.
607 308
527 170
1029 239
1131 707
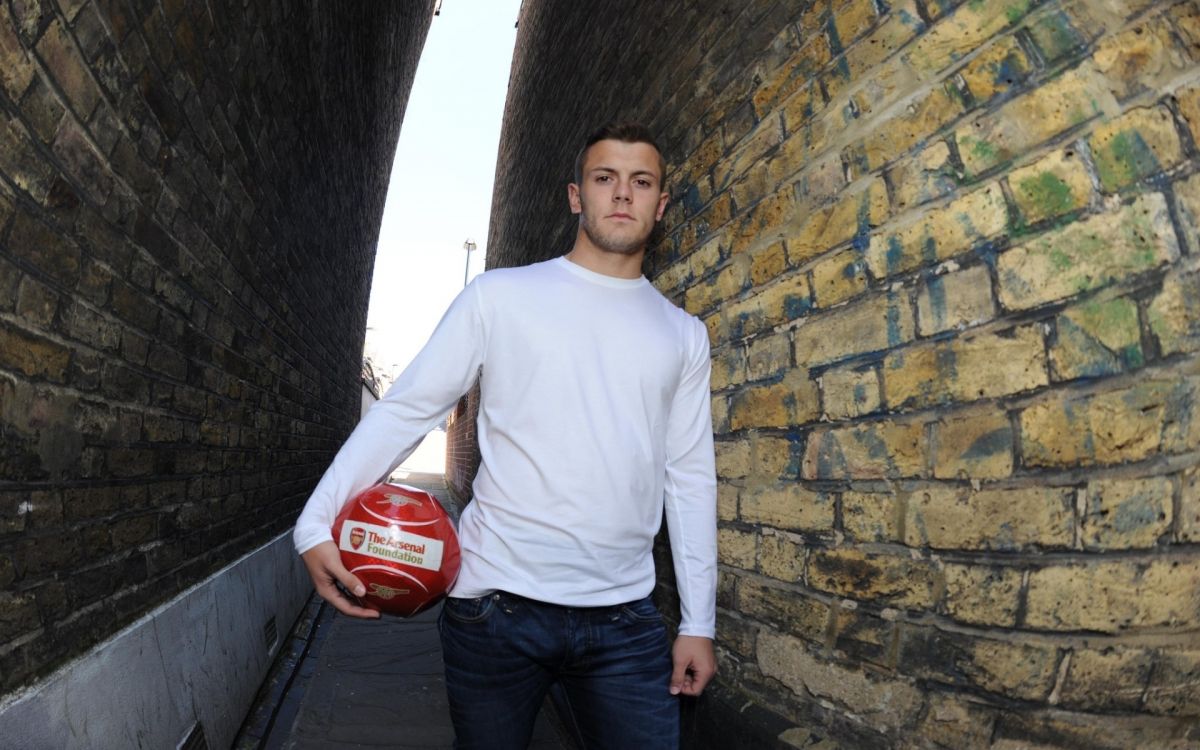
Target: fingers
348 580
694 665
679 677
344 604
326 570
697 681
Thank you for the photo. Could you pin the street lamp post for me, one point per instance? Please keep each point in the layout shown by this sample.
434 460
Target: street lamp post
469 245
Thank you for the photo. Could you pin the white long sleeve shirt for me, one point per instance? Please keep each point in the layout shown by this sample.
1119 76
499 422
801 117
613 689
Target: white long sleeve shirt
595 415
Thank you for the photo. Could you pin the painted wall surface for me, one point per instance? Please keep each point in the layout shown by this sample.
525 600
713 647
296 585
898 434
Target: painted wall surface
190 195
947 256
198 658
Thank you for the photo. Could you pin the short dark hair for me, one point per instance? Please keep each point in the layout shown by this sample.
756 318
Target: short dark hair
626 132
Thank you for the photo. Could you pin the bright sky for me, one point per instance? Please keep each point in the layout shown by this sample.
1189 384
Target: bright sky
441 189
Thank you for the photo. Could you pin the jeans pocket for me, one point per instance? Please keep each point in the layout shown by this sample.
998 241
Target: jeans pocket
642 610
469 610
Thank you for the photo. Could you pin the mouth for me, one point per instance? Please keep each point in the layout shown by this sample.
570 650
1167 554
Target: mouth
620 215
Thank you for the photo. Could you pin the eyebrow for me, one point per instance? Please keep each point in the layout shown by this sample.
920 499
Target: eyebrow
613 170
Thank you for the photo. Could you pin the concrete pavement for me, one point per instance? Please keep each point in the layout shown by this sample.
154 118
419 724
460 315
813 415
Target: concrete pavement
340 682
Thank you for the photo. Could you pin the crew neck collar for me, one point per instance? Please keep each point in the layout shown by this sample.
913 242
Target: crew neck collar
599 278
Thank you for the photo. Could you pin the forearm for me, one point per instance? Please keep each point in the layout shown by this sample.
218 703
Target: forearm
373 449
691 497
425 392
692 531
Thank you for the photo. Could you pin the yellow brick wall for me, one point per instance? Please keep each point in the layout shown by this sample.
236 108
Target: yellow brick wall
947 253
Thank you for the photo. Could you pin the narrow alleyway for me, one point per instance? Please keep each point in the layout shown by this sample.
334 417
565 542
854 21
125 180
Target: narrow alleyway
341 683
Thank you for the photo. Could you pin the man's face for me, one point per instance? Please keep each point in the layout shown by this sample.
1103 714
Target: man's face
620 197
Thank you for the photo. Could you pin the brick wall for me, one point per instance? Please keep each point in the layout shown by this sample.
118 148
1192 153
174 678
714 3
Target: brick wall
190 195
947 255
462 447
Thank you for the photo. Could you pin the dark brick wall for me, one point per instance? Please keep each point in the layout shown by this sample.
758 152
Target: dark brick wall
946 252
628 76
190 195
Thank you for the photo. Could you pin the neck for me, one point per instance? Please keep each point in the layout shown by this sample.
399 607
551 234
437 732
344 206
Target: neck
620 265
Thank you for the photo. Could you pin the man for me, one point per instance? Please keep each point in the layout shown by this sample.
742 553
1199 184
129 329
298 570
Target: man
594 417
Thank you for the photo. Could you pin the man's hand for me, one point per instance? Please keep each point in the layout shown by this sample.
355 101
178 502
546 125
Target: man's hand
325 567
695 664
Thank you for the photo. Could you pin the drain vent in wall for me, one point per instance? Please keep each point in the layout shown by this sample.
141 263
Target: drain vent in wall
270 633
194 739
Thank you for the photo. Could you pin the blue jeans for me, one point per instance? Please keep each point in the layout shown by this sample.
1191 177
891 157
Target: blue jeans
613 664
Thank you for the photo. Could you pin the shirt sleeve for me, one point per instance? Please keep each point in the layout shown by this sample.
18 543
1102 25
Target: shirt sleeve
441 373
691 492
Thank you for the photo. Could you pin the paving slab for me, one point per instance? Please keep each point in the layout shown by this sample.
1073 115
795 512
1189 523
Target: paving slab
377 684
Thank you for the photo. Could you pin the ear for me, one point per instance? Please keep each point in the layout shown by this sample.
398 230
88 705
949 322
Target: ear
573 198
662 206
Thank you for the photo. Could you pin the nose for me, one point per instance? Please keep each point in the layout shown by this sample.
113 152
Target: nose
622 191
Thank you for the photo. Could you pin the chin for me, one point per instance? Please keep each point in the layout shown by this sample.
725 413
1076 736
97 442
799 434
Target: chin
614 245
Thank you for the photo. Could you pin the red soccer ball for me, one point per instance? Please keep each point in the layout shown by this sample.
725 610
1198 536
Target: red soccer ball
401 544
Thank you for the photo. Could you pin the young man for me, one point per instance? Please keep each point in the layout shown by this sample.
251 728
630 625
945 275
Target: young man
594 418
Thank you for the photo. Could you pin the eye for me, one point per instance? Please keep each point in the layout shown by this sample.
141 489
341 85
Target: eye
603 178
643 183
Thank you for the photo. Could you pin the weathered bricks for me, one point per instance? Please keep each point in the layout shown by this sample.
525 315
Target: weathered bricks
962 32
787 506
177 363
946 252
1096 338
838 277
1140 58
737 548
771 604
1054 185
982 595
1087 255
1018 669
764 308
955 300
1172 689
1129 424
990 140
771 357
1140 143
1189 507
863 636
789 402
781 557
876 324
1109 596
898 581
880 701
1174 317
1125 513
851 216
1106 680
1001 67
927 175
31 355
850 392
872 517
978 446
989 519
957 722
926 114
938 235
968 369
876 450
765 221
